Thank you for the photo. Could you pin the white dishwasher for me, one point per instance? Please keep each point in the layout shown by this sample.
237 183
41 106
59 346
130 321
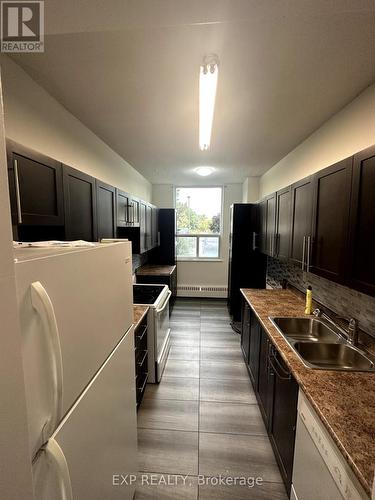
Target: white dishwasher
320 471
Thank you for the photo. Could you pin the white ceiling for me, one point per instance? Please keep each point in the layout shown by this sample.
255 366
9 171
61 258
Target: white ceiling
129 71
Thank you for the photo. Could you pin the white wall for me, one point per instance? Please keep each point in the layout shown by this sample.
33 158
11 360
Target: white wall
35 119
250 190
349 131
15 467
163 195
202 273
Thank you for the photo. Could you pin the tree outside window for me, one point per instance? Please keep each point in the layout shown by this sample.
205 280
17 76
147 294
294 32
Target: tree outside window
199 216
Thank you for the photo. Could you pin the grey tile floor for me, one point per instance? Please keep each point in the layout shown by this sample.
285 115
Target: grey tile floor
203 418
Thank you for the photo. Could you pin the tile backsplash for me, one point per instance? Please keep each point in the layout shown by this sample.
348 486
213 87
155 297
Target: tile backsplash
138 260
340 299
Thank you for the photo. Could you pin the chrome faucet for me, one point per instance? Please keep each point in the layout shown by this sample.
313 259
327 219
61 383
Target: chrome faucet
351 333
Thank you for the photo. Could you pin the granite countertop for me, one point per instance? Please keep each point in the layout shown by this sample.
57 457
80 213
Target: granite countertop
344 401
155 270
139 313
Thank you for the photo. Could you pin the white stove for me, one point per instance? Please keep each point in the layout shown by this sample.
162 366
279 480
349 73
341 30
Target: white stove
158 340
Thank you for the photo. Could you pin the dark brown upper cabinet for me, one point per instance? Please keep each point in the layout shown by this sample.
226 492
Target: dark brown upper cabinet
301 218
142 227
282 228
267 225
271 221
127 209
134 206
362 223
142 232
106 210
154 226
124 215
80 205
148 227
331 202
35 185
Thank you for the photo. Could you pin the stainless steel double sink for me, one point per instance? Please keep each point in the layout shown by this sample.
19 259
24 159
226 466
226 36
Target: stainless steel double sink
321 346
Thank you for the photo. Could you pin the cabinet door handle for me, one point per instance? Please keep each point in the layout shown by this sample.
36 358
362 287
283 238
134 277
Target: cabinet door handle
287 375
270 352
140 363
255 241
308 252
142 388
303 253
18 196
129 218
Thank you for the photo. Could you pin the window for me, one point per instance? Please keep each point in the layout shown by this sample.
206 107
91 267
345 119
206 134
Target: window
199 220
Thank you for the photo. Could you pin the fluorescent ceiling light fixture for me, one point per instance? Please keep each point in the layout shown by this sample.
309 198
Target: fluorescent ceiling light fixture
208 75
204 171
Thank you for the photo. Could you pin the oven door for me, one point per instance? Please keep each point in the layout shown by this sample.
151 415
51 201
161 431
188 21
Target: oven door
162 336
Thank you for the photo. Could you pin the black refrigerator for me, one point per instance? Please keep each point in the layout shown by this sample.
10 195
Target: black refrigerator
246 266
165 253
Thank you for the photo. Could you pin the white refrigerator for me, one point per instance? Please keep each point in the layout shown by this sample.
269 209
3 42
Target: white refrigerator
76 314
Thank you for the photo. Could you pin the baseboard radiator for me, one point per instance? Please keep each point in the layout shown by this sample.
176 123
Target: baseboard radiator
202 291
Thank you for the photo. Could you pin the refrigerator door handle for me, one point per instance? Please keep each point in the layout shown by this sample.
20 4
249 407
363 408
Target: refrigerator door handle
42 303
255 241
59 463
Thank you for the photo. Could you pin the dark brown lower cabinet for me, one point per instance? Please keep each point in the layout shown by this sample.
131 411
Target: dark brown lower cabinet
264 391
254 349
250 342
245 331
141 359
276 391
282 426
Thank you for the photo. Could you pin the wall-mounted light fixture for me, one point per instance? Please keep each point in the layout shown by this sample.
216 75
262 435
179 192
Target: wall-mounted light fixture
208 75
